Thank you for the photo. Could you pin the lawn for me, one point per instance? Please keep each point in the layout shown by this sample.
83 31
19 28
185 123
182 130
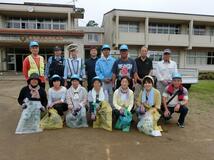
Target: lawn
202 94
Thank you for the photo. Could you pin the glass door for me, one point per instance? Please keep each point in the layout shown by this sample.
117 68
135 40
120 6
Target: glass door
11 62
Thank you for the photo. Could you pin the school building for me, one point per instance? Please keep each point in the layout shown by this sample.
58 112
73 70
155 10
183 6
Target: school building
49 24
189 36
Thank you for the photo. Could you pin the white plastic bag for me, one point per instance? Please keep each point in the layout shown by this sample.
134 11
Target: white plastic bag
146 125
30 118
77 120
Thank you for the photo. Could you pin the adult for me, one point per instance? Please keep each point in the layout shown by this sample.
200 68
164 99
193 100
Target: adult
124 66
56 95
34 63
123 98
33 100
123 101
101 111
164 70
33 92
149 97
144 68
76 98
55 65
104 70
90 67
175 99
73 65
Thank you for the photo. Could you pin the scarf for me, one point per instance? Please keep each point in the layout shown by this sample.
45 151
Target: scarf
101 95
75 92
171 90
34 91
148 99
123 93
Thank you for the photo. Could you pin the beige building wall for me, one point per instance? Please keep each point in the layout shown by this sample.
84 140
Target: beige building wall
11 38
182 43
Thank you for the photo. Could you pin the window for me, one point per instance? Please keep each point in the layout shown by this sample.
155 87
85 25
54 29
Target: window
199 30
210 59
157 56
62 26
164 28
40 23
129 27
92 37
152 28
200 58
16 24
133 53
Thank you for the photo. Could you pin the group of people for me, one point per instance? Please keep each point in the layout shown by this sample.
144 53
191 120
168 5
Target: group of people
107 88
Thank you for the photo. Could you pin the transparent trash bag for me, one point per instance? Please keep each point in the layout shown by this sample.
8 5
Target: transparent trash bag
148 123
76 119
30 118
52 120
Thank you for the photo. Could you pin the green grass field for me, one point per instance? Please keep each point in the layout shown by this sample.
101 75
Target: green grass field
202 94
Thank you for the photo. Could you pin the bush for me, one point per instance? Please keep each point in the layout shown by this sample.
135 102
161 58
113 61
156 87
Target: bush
206 76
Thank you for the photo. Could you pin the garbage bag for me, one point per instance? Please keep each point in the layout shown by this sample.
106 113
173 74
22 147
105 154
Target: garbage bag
30 119
76 119
124 121
148 123
52 120
104 117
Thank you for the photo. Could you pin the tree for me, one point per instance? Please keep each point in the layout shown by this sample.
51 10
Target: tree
91 23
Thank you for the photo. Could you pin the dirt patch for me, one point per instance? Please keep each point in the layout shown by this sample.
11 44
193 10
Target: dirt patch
195 141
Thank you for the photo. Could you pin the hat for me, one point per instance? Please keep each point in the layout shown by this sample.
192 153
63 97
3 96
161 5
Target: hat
34 76
105 46
75 77
72 47
97 78
57 48
148 77
56 77
176 76
33 43
124 47
167 51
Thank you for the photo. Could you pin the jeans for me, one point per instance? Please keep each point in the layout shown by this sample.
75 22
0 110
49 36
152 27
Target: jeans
183 112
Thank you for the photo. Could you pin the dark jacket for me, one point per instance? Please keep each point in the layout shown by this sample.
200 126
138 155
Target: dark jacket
25 93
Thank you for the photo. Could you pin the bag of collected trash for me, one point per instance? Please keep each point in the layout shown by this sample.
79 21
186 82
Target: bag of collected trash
148 123
104 117
76 118
30 118
52 120
124 121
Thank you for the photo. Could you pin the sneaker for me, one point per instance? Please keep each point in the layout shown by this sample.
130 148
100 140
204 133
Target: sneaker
180 125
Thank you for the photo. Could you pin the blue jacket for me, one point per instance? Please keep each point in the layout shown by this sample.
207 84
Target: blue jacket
104 66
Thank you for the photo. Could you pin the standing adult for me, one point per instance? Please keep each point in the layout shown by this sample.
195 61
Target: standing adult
34 63
90 67
124 66
73 65
144 68
104 70
55 65
164 70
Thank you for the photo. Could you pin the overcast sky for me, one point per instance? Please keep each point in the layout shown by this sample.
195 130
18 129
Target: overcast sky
94 9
